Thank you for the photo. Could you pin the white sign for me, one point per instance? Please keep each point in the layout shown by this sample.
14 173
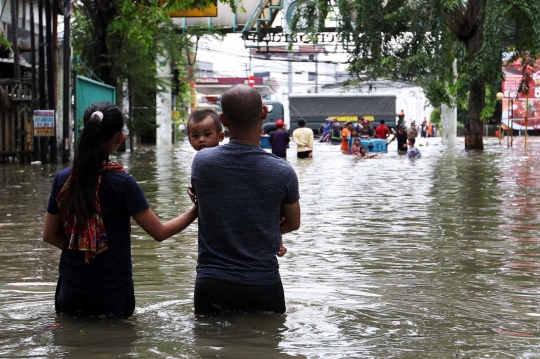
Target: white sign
44 123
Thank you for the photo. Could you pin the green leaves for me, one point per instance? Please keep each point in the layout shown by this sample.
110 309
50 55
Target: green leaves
5 43
419 40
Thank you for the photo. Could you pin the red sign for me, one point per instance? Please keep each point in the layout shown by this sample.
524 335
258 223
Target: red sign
251 81
513 75
234 80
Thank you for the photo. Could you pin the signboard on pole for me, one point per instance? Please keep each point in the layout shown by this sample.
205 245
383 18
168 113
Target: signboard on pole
521 110
43 123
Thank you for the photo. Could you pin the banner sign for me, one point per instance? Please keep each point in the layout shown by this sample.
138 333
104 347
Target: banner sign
517 106
44 123
300 38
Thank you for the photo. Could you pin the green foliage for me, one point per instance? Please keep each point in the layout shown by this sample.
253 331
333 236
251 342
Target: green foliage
5 43
435 116
419 40
120 40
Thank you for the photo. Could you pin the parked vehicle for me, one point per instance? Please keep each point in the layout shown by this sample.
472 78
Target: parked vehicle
315 108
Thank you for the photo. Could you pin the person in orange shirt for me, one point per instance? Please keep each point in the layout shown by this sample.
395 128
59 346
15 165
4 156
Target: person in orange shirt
430 130
345 135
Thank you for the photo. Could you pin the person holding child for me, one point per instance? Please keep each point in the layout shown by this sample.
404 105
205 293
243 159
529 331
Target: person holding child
242 193
353 138
88 218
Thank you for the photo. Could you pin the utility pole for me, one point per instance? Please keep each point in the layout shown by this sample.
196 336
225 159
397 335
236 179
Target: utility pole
67 73
42 94
290 72
15 38
50 76
34 79
316 71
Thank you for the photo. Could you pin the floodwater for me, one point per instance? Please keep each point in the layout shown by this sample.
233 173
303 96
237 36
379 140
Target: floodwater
395 258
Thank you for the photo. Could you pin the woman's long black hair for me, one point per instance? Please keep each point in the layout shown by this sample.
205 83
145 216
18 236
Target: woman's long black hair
91 155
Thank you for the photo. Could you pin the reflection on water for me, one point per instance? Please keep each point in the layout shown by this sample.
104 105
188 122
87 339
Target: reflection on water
432 258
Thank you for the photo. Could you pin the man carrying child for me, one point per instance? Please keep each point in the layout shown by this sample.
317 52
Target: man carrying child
242 192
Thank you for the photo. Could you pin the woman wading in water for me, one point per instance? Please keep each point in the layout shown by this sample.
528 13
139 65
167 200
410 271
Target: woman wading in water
88 218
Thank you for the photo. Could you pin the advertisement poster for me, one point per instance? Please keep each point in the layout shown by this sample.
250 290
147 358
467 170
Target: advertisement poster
44 123
518 106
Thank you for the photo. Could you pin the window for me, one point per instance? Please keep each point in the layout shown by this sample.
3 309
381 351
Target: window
312 76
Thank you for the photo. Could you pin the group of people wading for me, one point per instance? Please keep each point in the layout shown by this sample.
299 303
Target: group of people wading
239 229
349 136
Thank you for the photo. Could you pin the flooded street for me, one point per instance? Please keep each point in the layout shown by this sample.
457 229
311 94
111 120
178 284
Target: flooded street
395 258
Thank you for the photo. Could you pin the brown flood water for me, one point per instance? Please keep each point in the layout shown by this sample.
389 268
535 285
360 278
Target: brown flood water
432 258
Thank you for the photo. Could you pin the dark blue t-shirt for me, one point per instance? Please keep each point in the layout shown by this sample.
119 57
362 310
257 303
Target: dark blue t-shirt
240 189
279 140
120 197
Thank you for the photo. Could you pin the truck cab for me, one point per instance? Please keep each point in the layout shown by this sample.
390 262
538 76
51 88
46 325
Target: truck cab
276 111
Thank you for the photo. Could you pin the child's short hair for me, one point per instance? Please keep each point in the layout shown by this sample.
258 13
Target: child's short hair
411 140
199 115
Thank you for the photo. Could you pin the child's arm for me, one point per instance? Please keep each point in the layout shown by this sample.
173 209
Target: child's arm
161 231
282 250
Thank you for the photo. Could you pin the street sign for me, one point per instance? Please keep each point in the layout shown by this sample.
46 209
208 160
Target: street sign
44 123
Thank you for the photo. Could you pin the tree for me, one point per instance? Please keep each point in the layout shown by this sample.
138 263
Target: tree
119 40
418 40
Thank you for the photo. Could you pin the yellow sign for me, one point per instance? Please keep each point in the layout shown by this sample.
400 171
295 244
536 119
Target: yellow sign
175 115
210 11
369 118
345 118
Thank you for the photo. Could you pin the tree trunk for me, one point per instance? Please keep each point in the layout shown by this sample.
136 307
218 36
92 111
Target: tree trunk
473 125
473 130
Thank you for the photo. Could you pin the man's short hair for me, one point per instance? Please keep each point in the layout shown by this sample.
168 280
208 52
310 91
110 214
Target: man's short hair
411 140
200 115
301 122
241 105
381 122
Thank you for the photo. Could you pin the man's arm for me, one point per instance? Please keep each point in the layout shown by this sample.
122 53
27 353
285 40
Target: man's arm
291 212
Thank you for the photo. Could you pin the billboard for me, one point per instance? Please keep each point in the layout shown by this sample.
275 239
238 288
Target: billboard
209 11
517 106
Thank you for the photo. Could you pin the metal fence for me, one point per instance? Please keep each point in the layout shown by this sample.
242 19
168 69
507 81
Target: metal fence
16 125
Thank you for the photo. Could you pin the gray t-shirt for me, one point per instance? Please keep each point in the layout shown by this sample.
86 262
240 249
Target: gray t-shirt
240 189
